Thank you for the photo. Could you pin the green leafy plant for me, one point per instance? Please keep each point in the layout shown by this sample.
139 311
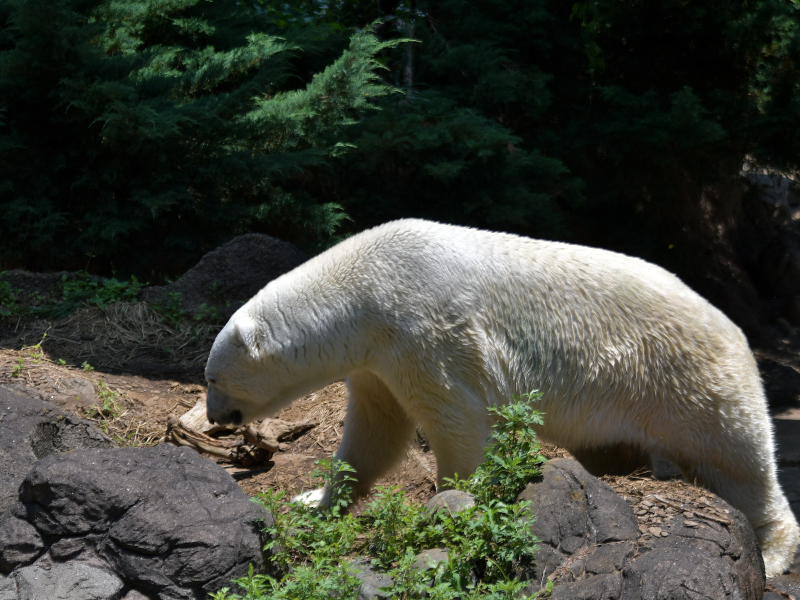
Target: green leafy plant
171 307
204 312
486 544
8 299
108 405
18 368
86 366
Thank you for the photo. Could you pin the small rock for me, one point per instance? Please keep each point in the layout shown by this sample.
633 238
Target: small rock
452 500
371 581
430 559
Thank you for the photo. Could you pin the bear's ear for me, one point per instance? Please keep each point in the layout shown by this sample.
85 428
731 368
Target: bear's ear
244 333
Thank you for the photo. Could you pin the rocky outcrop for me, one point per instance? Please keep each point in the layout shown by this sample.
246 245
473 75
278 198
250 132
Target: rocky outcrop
162 522
594 546
30 430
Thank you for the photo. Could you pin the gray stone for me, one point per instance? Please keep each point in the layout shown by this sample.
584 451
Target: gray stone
452 500
680 574
574 510
8 588
735 544
609 558
72 581
371 581
135 595
592 548
430 559
31 429
70 393
21 544
601 587
166 521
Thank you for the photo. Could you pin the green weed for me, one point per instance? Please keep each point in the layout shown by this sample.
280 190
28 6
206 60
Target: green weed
171 307
108 405
486 544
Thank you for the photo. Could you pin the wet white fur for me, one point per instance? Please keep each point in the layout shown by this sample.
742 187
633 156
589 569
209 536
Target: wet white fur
431 323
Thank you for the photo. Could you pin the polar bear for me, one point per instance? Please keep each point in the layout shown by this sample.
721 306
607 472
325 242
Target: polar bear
432 323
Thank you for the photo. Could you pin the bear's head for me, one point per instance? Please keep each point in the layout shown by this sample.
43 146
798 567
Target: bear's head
248 374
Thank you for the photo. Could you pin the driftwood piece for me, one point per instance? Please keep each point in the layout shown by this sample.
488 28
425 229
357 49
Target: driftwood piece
273 431
234 450
195 420
257 444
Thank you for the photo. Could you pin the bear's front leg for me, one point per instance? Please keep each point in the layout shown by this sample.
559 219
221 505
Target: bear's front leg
376 434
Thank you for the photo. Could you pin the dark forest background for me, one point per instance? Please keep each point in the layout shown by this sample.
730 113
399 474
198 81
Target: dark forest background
137 135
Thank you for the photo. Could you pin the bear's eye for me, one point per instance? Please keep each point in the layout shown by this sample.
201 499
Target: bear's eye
211 380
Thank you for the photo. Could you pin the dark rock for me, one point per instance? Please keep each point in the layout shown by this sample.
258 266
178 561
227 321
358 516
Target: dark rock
371 581
593 549
164 520
734 544
31 429
452 500
685 574
67 548
21 543
574 510
787 434
602 587
67 582
609 558
781 381
227 277
788 584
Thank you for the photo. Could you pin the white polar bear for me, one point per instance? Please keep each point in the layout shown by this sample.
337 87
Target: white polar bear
431 323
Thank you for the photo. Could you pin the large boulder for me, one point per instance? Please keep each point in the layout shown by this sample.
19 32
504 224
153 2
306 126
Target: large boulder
163 521
227 277
31 429
595 546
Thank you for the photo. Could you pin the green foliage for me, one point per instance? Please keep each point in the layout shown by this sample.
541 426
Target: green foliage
8 299
513 460
486 544
171 307
142 134
108 405
145 133
73 291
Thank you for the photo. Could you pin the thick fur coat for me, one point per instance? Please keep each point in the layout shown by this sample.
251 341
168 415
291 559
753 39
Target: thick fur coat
431 323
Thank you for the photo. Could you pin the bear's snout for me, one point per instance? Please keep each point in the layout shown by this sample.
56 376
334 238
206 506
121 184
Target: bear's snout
218 410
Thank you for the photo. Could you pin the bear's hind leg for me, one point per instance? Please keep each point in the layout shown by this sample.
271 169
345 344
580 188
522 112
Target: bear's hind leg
744 474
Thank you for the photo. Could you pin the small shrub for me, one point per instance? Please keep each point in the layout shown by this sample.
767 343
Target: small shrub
486 543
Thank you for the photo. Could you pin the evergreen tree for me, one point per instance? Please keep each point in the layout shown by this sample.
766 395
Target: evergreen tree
146 133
